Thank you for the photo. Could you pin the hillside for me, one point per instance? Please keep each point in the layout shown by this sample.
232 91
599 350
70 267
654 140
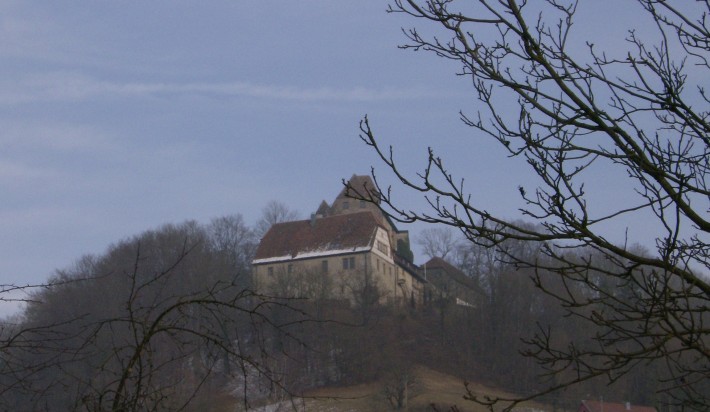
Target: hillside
168 319
430 387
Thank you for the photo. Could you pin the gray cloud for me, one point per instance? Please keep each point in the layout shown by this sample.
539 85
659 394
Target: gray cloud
75 87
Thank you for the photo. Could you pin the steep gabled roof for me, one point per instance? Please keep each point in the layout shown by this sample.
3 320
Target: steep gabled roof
359 185
323 209
325 236
596 406
362 186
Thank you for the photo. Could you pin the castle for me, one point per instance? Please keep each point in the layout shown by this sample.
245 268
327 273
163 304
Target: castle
347 250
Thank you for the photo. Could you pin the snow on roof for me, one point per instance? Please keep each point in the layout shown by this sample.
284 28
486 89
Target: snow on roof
325 236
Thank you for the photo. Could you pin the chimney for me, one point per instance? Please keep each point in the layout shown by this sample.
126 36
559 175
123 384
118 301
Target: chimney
313 219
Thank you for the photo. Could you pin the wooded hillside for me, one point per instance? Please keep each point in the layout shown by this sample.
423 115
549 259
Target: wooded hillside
166 320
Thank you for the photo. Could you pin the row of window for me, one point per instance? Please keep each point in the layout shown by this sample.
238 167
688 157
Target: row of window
346 204
348 264
385 267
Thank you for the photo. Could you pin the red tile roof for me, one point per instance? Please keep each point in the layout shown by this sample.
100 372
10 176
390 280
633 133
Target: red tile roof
328 235
596 406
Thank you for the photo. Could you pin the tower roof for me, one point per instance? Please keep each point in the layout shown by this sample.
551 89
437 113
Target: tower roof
360 186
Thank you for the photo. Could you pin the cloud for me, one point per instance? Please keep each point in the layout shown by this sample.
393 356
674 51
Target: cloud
74 87
40 156
55 137
14 173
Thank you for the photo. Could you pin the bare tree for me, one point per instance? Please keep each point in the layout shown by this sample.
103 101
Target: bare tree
274 212
236 242
153 324
366 293
399 382
438 242
641 114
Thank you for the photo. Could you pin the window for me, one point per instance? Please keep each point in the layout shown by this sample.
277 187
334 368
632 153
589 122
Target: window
363 204
324 267
290 269
346 205
271 271
382 247
349 263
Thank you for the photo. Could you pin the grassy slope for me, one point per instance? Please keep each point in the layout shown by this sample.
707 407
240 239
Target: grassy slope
430 387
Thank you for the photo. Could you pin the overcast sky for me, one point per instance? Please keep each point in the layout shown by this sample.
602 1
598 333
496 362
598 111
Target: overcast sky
120 116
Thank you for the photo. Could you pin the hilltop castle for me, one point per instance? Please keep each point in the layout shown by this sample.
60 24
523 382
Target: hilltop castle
348 249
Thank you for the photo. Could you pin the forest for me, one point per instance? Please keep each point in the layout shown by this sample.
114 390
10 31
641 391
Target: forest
167 320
